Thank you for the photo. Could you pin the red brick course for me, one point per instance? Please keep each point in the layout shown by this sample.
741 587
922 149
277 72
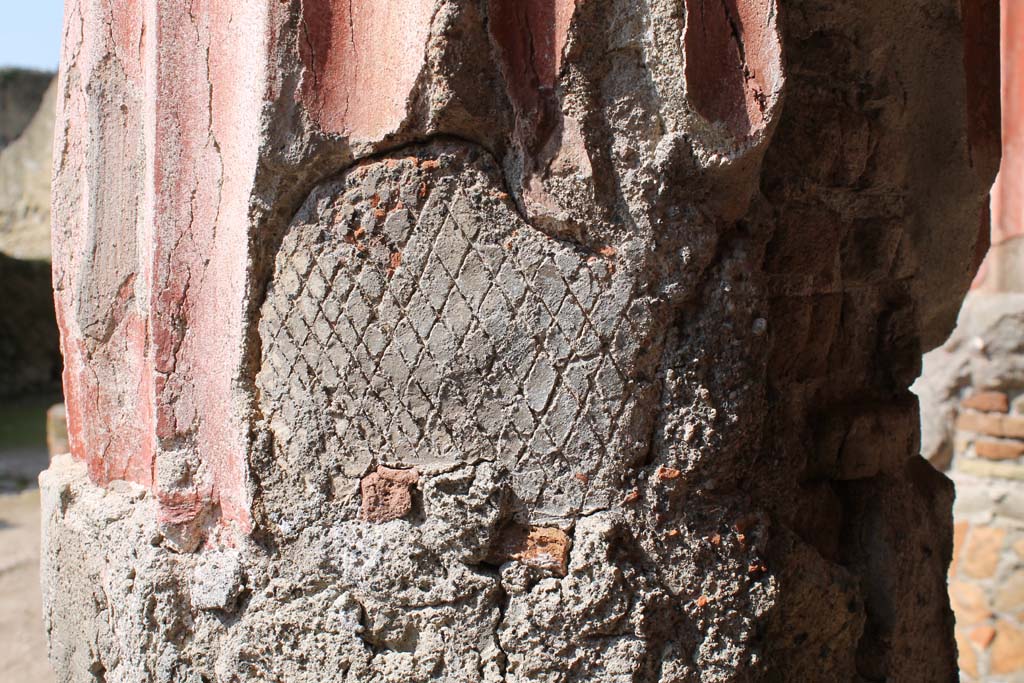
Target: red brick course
992 424
987 402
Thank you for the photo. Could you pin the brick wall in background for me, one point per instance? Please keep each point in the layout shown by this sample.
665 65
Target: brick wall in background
986 577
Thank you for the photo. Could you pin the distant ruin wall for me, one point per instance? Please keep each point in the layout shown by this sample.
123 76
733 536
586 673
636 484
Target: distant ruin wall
21 91
508 341
25 168
29 342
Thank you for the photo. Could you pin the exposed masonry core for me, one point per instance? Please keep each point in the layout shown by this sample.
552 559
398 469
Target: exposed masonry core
414 319
506 341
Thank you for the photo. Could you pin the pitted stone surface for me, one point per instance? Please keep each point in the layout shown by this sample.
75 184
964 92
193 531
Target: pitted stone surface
415 319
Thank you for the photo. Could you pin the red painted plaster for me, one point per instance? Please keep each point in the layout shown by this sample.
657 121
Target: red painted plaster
1007 195
985 123
127 29
362 58
733 61
154 380
207 113
157 167
530 36
103 322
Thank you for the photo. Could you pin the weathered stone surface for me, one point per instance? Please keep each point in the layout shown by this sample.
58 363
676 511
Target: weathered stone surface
986 585
992 424
1010 595
630 321
982 636
969 602
21 92
25 168
968 657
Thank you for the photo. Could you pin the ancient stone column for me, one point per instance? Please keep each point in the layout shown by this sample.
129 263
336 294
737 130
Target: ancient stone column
505 340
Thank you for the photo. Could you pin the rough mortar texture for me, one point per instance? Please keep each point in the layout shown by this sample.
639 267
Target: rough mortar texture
507 341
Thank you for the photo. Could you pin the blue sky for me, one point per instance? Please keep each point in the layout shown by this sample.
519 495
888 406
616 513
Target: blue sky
30 33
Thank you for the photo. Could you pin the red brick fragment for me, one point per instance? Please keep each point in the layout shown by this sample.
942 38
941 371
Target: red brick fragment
665 473
535 546
396 261
387 494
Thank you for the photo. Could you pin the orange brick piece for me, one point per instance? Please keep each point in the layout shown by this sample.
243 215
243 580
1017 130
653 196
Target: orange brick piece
535 546
1010 594
665 473
982 636
987 402
993 424
998 450
387 494
969 602
981 557
1007 654
968 659
959 534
